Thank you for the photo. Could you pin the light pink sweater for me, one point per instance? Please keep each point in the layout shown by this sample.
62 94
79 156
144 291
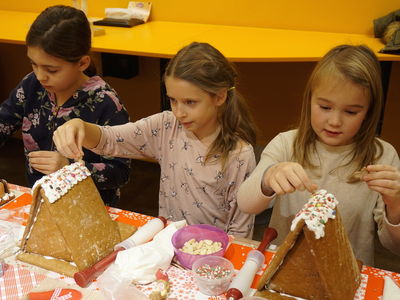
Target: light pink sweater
189 189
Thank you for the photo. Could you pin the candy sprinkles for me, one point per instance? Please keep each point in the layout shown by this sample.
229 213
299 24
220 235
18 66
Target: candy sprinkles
57 184
316 212
216 272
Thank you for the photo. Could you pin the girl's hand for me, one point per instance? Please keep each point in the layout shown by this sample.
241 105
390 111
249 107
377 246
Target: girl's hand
47 162
385 180
69 137
287 177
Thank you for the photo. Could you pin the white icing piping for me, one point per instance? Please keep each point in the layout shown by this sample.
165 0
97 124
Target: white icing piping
57 184
34 220
51 257
316 212
7 196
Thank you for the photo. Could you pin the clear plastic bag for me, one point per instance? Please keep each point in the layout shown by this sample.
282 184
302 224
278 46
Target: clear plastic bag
115 287
10 235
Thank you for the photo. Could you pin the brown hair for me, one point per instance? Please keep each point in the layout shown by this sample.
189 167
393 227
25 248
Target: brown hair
206 67
63 32
360 65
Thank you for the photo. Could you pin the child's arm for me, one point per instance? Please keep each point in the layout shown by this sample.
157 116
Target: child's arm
75 134
142 139
385 179
273 174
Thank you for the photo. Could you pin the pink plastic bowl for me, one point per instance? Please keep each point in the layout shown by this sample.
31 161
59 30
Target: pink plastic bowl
198 232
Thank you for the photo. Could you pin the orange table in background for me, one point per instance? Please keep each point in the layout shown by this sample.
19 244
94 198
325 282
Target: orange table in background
371 287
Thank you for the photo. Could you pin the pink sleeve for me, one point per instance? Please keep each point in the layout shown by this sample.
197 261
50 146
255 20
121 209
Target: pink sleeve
241 166
141 139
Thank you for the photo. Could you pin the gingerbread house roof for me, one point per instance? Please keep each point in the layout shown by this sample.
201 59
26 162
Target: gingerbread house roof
69 228
315 261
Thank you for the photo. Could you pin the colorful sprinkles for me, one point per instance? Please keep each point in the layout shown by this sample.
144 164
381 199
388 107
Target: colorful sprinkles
57 184
212 272
316 212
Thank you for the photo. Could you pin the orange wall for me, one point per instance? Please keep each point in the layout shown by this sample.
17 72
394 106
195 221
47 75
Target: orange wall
273 90
317 15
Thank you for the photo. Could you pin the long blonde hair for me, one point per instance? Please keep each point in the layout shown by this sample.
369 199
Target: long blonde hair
360 65
207 68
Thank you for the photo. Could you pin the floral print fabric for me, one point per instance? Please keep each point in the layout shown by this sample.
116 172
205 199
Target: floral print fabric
33 109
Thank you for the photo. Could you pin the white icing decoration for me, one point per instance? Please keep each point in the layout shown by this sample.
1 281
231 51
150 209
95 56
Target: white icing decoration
34 220
7 196
51 257
57 184
316 212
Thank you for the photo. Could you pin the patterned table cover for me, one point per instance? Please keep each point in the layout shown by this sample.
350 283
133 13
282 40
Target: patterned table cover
19 278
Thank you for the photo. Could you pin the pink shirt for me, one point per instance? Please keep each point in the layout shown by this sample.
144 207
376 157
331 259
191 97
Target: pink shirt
189 189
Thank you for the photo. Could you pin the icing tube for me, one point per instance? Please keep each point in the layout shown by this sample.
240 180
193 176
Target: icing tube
144 234
141 236
241 284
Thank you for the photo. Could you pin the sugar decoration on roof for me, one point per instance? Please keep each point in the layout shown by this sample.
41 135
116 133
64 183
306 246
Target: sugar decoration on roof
57 184
316 212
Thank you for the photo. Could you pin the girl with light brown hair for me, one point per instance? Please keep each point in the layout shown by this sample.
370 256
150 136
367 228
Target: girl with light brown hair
335 139
204 146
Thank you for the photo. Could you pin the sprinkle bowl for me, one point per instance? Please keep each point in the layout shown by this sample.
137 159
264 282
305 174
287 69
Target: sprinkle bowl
199 232
213 274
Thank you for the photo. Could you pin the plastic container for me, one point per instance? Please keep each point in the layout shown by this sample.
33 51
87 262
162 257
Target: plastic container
206 282
245 276
198 232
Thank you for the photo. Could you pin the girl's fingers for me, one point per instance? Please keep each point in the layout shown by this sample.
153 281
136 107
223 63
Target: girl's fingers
284 183
79 142
288 177
66 142
276 187
306 183
296 181
388 175
377 168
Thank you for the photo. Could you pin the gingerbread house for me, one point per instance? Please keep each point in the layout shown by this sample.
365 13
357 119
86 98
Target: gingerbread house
316 260
69 228
5 194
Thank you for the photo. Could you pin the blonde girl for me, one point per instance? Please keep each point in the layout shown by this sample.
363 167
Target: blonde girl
335 139
204 146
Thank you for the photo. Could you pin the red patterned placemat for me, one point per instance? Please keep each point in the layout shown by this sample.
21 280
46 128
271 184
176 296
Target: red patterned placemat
17 282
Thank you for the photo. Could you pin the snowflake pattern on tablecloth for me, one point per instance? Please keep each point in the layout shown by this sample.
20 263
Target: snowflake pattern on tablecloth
17 281
360 293
181 283
381 273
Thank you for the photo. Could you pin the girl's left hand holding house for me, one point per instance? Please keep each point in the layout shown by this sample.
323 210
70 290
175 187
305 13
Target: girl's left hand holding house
385 180
47 162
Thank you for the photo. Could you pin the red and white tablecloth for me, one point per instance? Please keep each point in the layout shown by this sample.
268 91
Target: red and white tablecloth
19 278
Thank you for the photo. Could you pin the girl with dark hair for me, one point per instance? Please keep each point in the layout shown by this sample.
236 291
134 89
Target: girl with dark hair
204 146
61 87
335 148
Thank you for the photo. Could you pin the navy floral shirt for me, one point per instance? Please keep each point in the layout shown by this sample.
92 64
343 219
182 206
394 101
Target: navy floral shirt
33 109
